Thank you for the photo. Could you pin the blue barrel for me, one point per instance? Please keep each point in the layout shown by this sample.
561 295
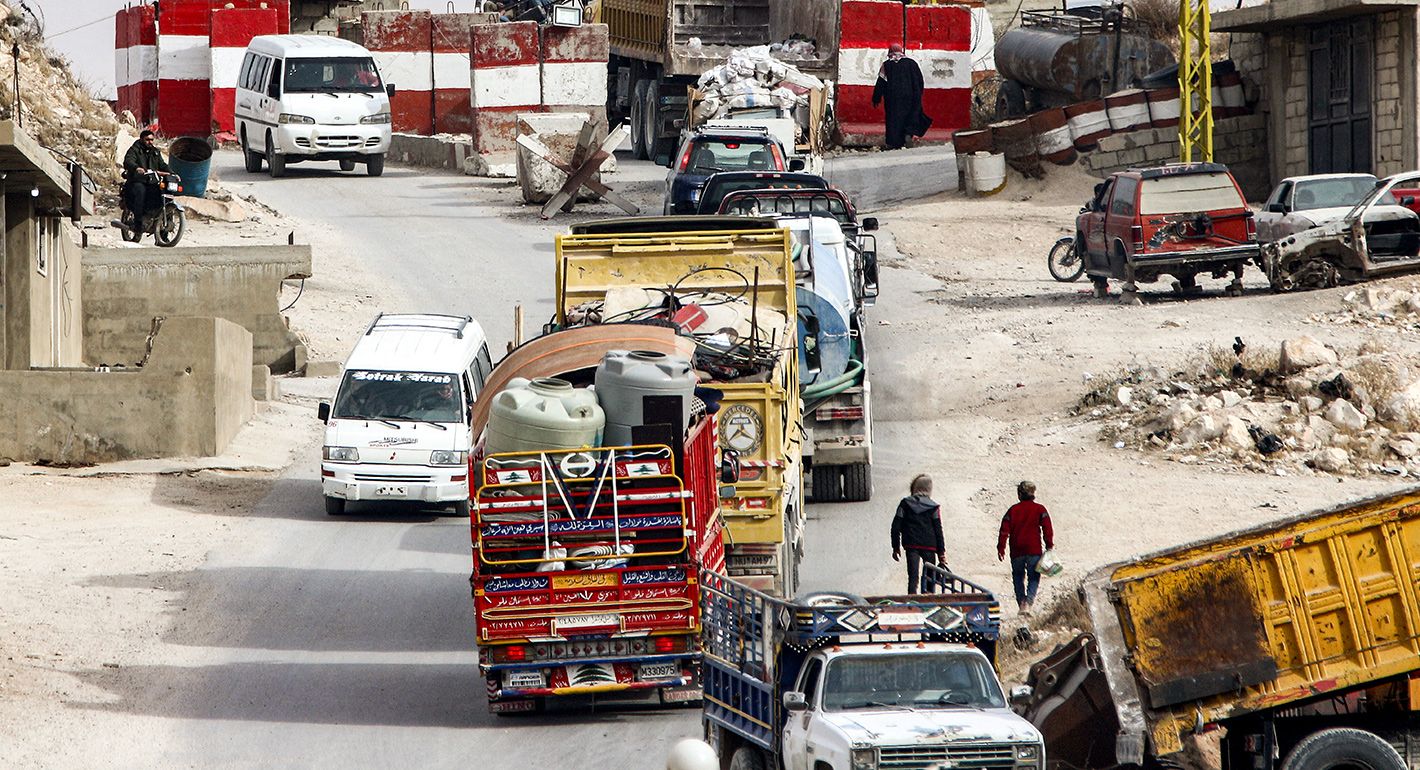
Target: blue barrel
191 158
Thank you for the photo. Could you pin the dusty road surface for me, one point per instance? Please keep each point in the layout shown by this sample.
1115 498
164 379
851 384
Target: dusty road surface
221 619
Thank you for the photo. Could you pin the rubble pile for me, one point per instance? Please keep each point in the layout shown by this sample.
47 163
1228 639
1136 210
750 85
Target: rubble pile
1377 307
1300 408
752 78
55 107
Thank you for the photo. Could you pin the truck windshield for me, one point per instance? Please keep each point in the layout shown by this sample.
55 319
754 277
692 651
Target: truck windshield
914 680
412 396
345 74
1186 193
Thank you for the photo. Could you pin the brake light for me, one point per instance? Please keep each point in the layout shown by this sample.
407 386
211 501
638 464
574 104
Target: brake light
685 158
1251 227
512 653
1137 234
665 644
732 145
778 156
839 413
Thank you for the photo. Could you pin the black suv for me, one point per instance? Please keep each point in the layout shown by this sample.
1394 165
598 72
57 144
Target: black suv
711 150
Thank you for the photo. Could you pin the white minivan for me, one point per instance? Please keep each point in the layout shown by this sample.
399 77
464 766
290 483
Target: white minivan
311 97
399 426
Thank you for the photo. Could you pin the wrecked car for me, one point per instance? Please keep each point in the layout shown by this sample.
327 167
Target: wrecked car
1302 202
1379 236
1181 219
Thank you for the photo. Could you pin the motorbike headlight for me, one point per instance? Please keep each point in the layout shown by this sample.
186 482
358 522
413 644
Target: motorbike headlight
443 457
341 454
287 117
383 117
863 759
1027 751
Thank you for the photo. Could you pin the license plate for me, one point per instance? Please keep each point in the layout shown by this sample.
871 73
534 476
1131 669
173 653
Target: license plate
681 695
576 622
655 672
512 706
524 680
391 491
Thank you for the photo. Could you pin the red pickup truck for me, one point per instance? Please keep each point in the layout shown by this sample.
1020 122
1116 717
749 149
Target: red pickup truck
1181 219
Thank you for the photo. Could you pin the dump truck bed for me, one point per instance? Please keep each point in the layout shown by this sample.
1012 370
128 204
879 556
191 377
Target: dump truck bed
1256 620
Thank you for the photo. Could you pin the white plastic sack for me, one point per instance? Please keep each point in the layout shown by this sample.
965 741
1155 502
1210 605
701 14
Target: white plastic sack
1049 565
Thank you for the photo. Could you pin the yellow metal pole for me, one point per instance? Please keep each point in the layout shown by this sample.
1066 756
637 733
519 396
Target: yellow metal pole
1195 82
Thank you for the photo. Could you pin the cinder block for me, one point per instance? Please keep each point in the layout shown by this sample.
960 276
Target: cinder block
1114 143
263 386
1131 157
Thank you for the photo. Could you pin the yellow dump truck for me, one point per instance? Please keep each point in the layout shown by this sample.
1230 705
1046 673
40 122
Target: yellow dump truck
727 284
1300 638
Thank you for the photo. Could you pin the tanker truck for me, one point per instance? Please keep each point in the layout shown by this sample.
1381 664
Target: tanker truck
1299 638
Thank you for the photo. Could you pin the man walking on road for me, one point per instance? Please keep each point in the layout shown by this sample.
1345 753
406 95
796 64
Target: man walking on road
899 89
1025 525
917 527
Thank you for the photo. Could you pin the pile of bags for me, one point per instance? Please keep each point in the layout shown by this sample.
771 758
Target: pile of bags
753 78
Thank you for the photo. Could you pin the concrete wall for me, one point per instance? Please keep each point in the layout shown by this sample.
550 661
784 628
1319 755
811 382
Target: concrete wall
189 400
1239 142
125 289
40 278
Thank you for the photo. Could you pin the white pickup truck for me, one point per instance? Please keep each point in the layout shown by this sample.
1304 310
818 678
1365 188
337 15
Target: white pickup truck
838 682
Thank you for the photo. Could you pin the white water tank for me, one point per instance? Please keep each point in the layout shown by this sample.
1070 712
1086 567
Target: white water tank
545 414
625 377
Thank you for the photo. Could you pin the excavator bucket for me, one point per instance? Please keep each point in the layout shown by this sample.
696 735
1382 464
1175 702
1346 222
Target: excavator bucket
1069 702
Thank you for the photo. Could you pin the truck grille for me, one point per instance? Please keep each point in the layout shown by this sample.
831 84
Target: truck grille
339 142
393 478
928 756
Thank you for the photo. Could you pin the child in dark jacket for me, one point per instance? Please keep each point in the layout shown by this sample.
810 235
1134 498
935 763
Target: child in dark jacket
917 527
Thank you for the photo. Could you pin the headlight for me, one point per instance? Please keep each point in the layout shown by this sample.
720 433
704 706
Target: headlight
341 454
863 759
287 117
442 457
1028 751
383 117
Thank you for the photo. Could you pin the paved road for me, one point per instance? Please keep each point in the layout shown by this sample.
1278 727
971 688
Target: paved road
348 642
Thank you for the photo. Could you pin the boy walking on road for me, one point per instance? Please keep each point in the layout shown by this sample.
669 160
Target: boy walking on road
917 527
1025 525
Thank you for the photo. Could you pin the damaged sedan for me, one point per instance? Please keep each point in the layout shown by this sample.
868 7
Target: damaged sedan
1378 237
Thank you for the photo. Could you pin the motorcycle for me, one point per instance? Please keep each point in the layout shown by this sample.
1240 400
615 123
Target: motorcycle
165 220
1065 262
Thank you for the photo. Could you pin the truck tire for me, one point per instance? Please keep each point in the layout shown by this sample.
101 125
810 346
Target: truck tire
275 161
1010 100
638 120
335 506
250 158
375 164
1343 747
462 508
657 146
858 482
748 758
826 483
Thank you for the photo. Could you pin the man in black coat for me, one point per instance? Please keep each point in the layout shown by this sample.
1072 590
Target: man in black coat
899 89
917 527
143 156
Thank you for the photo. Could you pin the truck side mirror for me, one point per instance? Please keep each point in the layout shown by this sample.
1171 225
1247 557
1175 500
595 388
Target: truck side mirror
1407 200
1020 694
794 701
870 224
796 164
323 411
389 90
1277 208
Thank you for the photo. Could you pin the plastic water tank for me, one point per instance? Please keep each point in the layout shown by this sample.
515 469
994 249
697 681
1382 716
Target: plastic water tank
624 377
543 414
826 303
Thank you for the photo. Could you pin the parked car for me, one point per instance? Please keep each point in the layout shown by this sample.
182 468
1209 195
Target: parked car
717 186
712 150
1379 236
1302 202
1181 219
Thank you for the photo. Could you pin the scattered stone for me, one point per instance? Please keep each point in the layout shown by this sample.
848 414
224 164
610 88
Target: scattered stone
1303 353
1343 414
1124 395
1235 435
1229 398
1204 429
1330 460
1311 404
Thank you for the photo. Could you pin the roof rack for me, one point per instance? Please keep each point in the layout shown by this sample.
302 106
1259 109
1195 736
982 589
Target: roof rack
464 321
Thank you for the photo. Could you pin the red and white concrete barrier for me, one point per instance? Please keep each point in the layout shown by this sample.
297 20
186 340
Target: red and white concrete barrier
938 37
136 61
452 111
184 68
1088 122
574 69
868 27
232 30
401 43
505 78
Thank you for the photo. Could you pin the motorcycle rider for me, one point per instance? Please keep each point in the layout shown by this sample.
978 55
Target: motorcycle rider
143 156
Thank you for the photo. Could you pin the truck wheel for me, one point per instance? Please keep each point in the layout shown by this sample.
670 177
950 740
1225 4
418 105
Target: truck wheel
657 146
275 162
638 120
747 758
334 506
1010 100
1343 747
252 160
826 483
858 483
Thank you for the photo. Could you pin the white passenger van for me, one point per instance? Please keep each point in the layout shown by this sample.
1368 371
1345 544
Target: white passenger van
311 97
399 427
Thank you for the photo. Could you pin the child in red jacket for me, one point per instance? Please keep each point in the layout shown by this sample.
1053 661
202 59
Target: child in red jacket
1024 526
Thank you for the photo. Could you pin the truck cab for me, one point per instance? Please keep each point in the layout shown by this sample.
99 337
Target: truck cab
909 704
